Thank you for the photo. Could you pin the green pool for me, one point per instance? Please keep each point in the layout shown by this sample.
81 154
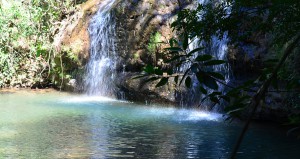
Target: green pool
49 124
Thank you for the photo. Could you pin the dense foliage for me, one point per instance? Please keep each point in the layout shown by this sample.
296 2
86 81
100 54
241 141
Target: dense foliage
244 21
241 20
27 28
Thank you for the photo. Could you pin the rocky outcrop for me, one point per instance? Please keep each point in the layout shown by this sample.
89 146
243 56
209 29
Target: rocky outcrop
137 22
73 36
248 58
139 90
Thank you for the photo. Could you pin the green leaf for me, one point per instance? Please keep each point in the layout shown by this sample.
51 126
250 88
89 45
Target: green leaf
162 82
195 50
158 72
203 90
194 68
215 93
170 72
176 79
214 62
40 51
203 57
188 82
151 79
175 49
214 99
183 77
172 41
216 75
210 82
149 69
185 41
200 76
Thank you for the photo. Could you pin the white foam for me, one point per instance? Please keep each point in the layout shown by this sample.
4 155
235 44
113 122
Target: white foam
196 115
82 99
182 114
201 115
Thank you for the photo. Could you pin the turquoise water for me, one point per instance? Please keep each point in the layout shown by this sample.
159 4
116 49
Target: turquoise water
60 125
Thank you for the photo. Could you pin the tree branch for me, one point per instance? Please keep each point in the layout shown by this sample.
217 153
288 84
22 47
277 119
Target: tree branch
288 49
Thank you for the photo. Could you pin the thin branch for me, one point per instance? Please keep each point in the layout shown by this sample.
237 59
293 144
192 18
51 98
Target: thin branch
288 49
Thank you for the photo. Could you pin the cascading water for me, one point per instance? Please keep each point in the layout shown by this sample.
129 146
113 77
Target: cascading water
218 49
101 68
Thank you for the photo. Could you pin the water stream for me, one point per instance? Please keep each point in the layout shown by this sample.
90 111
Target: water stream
217 48
101 68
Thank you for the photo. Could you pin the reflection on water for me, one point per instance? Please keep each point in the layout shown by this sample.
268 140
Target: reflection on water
59 125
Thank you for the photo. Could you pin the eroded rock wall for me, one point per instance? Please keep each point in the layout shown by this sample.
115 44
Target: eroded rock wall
136 22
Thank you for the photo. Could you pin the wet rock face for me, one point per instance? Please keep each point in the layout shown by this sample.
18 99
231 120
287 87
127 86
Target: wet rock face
73 36
246 58
136 22
139 90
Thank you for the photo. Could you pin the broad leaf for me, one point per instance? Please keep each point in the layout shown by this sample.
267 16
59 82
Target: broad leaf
215 99
194 68
185 41
203 90
188 82
151 79
203 57
149 69
176 79
158 72
214 62
175 49
183 77
216 75
195 50
162 82
170 72
200 76
210 82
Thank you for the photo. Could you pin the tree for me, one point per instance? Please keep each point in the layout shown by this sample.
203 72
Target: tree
27 54
240 19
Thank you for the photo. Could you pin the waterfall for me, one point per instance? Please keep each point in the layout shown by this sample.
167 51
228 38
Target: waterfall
101 68
218 49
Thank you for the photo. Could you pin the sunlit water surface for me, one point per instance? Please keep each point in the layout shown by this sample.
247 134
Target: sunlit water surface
60 125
